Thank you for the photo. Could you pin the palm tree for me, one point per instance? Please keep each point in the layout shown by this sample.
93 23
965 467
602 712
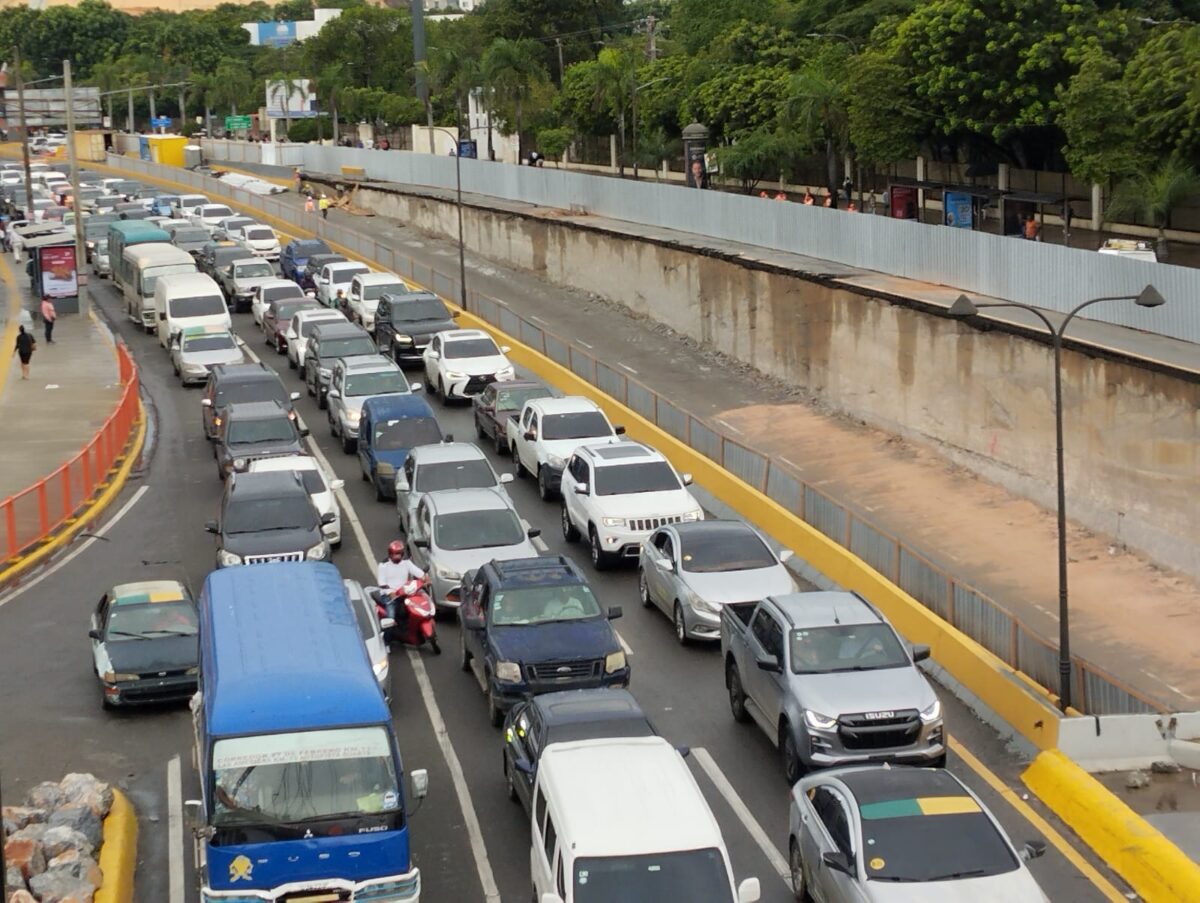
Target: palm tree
510 70
816 106
330 83
615 83
1153 196
455 68
283 87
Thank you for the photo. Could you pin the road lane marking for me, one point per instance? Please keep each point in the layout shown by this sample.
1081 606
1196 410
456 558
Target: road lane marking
585 344
743 813
1040 824
174 831
728 425
93 536
624 645
627 367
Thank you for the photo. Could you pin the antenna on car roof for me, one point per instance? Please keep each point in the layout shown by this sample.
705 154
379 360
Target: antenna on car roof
835 617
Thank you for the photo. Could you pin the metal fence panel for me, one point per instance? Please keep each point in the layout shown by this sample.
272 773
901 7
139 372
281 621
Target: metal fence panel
610 381
705 440
556 350
509 321
672 419
983 622
875 548
641 399
1105 698
784 488
531 335
825 514
1037 658
748 466
487 310
583 365
925 583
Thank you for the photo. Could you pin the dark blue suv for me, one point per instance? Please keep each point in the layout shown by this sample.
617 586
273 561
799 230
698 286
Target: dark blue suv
532 625
295 256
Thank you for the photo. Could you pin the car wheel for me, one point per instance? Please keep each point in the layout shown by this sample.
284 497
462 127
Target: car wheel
175 367
681 634
793 767
435 645
268 339
291 363
332 424
348 444
308 387
464 657
518 468
479 428
600 558
366 477
544 490
508 781
495 713
380 495
737 696
569 532
939 762
501 443
104 703
322 400
644 590
796 866
441 392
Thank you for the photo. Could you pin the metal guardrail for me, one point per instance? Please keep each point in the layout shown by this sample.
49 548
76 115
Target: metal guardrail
987 622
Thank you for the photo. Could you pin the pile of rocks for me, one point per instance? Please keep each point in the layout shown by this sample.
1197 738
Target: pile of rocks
52 841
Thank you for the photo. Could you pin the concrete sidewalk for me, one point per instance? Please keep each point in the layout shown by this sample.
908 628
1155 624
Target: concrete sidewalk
73 388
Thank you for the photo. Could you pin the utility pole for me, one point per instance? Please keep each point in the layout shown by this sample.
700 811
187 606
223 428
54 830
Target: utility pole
153 114
652 38
24 133
558 44
80 255
129 121
419 58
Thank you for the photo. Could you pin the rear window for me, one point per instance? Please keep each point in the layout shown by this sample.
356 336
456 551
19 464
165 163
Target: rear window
201 306
215 211
259 234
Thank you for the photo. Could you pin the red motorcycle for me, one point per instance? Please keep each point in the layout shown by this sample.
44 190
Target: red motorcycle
418 625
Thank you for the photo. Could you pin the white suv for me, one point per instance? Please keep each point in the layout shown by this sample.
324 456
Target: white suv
617 495
460 363
300 327
319 486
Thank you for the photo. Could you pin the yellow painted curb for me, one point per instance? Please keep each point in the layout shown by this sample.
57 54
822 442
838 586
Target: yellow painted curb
1154 867
118 853
14 316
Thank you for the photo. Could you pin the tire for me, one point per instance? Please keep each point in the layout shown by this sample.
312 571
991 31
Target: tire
322 401
569 532
796 866
508 782
441 394
479 429
332 425
380 495
464 657
601 560
681 636
308 387
175 367
644 590
435 645
348 445
544 491
291 363
501 443
737 696
518 468
793 766
495 713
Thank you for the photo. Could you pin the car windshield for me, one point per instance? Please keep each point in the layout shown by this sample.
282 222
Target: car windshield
259 234
724 550
436 477
542 605
190 236
284 312
407 432
846 647
251 390
384 382
342 276
332 348
202 306
514 399
375 292
477 529
420 309
937 838
698 876
305 249
261 429
208 343
290 512
223 257
153 619
580 425
215 212
297 777
252 270
463 348
654 476
275 292
308 324
313 482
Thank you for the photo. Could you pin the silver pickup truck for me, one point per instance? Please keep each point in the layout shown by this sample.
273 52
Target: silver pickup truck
830 682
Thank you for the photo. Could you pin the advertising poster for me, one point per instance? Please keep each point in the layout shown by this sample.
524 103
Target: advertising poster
697 170
59 276
903 202
959 211
293 95
276 34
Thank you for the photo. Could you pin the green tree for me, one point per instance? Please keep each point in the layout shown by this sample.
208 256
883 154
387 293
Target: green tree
1162 79
884 125
737 99
282 87
578 25
554 142
1102 139
816 109
293 10
511 70
576 103
329 84
1151 197
85 34
758 155
698 23
373 44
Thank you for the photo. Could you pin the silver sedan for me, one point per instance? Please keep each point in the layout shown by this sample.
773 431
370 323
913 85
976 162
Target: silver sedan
691 570
197 350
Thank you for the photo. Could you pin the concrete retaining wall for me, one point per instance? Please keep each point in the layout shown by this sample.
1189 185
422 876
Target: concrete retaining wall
982 398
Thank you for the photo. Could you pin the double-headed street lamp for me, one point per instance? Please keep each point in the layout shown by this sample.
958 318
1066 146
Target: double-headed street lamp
964 307
462 260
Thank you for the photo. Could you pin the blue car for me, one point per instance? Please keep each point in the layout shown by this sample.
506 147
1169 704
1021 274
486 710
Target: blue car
391 425
161 205
294 257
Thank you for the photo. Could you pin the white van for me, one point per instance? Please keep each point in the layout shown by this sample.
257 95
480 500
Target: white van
145 264
623 819
189 299
185 205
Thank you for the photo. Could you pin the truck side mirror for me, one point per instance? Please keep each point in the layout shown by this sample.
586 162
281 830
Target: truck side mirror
401 483
615 612
530 436
506 478
770 664
581 488
619 430
920 652
687 479
210 526
328 518
838 861
95 634
749 891
1032 849
195 813
421 543
419 779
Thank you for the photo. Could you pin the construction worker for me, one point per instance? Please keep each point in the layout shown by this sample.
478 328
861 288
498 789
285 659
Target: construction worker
324 205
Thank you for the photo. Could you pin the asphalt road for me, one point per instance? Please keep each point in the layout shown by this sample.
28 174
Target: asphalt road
469 840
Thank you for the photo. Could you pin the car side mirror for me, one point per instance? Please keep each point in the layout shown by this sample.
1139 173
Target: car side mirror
920 652
786 555
433 355
419 780
665 563
533 532
95 634
387 623
1033 849
687 479
328 518
684 751
335 485
401 483
415 387
421 543
333 393
455 314
303 431
530 436
207 402
581 488
294 396
619 430
749 891
449 437
523 766
505 349
838 861
770 664
210 526
614 612
506 478
162 314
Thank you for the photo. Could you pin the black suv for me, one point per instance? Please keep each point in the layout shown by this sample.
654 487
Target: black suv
256 429
404 324
237 384
268 517
327 343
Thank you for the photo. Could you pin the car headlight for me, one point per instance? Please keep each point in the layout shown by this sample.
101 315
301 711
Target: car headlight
691 516
613 521
324 372
701 604
228 558
111 677
932 712
353 416
509 672
445 573
556 462
385 469
614 662
317 552
403 339
239 463
819 722
506 373
454 374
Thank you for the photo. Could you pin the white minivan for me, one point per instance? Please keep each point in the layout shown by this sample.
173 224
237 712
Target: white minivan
623 819
188 299
146 263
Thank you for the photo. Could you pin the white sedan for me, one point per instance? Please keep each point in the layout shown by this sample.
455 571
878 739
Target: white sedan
461 363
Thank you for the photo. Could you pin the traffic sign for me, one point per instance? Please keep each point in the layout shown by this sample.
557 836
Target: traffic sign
161 122
233 123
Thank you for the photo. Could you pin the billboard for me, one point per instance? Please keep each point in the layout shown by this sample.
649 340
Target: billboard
276 34
59 276
48 106
294 95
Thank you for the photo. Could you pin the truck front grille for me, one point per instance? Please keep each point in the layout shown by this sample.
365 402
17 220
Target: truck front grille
564 671
646 524
896 729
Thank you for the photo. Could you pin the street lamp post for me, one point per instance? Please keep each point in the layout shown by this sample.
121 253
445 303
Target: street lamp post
964 307
462 260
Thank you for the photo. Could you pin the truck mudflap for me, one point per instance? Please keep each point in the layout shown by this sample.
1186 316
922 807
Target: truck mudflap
404 888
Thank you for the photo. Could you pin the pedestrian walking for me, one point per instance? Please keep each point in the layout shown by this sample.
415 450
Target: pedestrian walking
324 205
809 200
847 189
781 196
1031 230
828 202
309 206
296 174
26 345
49 315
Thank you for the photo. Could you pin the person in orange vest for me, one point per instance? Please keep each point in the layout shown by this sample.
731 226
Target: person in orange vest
1031 230
309 205
828 202
780 196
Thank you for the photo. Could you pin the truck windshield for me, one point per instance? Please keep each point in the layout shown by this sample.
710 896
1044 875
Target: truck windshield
266 429
476 474
294 777
846 647
656 476
477 530
698 876
253 270
423 309
407 432
202 306
581 425
543 605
